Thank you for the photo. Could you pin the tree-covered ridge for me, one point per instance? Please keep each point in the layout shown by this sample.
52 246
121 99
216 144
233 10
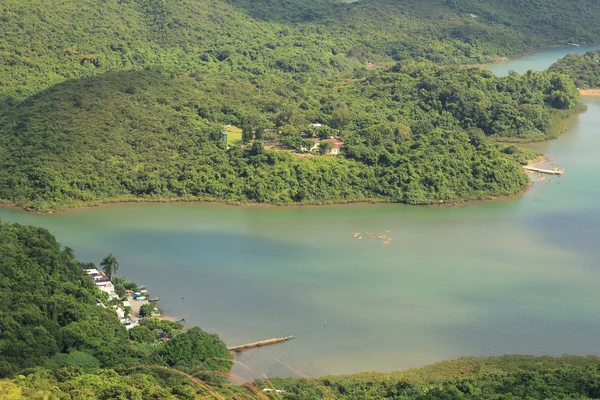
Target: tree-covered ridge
583 69
422 96
48 305
44 43
414 134
506 377
53 317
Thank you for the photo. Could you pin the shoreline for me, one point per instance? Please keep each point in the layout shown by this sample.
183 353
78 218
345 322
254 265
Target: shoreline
562 125
121 202
589 92
530 52
137 304
125 201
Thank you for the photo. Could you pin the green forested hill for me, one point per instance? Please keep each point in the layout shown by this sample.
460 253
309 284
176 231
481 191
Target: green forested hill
506 377
415 134
123 99
45 42
56 326
584 69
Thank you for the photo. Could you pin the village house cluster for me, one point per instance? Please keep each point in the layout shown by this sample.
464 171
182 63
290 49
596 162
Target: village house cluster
103 282
316 139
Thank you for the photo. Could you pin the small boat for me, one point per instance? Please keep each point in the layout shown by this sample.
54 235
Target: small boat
154 299
386 242
574 45
359 238
181 321
381 236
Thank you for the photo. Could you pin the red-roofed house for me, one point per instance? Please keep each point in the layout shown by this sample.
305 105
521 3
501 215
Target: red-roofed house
314 146
336 146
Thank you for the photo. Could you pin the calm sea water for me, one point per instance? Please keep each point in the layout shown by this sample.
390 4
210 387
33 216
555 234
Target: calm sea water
518 275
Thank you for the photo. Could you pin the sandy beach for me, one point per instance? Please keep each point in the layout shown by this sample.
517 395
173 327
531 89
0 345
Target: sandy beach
589 92
137 304
539 160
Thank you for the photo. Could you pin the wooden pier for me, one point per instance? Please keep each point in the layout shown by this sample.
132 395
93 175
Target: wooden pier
554 171
261 343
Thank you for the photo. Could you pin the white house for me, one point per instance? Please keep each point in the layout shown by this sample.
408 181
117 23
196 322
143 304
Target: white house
314 146
120 312
101 280
336 146
129 324
106 287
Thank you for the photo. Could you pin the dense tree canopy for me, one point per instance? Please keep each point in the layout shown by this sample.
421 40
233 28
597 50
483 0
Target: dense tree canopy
150 83
414 134
583 69
49 315
506 377
49 305
121 99
44 43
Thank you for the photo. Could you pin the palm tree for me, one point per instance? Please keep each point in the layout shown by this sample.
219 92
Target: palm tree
110 265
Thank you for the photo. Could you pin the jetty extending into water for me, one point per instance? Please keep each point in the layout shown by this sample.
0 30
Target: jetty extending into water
554 171
261 343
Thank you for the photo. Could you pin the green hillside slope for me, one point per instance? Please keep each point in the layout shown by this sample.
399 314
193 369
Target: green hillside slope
123 100
416 134
584 69
43 43
55 323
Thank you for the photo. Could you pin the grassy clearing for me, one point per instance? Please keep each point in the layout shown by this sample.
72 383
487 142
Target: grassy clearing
234 136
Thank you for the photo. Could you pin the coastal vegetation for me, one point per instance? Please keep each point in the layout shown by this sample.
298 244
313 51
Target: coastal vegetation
127 100
53 317
506 377
583 69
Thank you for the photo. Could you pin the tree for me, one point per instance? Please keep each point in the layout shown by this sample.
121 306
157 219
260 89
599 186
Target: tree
341 117
325 147
142 334
246 133
75 358
119 284
146 310
110 265
196 347
258 147
258 133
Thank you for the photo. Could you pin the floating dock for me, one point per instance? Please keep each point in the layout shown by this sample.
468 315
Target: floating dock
261 343
554 171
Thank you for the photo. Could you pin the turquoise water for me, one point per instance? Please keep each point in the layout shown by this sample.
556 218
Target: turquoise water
539 60
517 275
